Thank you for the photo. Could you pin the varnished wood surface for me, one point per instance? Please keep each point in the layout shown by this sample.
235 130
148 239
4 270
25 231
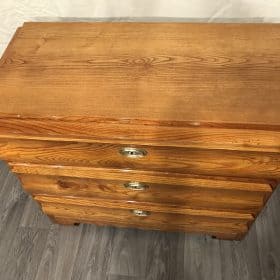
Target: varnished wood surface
135 132
221 73
33 248
173 198
210 91
226 215
166 159
233 229
213 215
216 182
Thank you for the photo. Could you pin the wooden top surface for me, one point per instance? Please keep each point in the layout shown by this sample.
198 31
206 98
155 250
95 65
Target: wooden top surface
221 73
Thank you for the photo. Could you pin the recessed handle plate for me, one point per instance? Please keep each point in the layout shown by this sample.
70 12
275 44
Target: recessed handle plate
136 186
140 213
133 152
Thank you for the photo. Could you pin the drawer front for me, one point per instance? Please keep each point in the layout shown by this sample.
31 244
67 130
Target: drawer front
179 160
139 134
191 195
94 212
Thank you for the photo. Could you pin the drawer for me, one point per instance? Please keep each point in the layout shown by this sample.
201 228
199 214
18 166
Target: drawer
165 159
107 213
197 193
137 133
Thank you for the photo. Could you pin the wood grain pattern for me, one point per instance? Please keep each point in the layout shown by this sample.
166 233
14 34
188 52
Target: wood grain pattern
146 206
162 221
181 197
212 182
70 221
166 159
118 132
204 256
201 99
97 252
27 242
118 68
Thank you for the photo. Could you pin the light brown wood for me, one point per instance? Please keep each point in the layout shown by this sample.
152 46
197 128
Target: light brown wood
224 73
195 197
30 245
187 135
161 221
166 159
146 206
201 99
192 180
71 221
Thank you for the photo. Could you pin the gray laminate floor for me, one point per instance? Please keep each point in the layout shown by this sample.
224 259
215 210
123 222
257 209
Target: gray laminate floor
33 248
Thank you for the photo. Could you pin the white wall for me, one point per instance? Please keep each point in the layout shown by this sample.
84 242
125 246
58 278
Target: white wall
14 12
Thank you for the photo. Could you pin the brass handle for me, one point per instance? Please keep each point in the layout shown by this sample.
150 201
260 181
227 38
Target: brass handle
136 186
141 213
133 152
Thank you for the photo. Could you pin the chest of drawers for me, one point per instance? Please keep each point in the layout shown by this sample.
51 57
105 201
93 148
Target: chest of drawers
168 126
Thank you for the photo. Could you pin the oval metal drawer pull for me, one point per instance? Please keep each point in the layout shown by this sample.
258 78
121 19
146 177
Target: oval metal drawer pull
136 186
133 152
141 213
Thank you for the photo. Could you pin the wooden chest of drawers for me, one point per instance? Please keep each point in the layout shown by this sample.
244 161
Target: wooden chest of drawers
169 126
